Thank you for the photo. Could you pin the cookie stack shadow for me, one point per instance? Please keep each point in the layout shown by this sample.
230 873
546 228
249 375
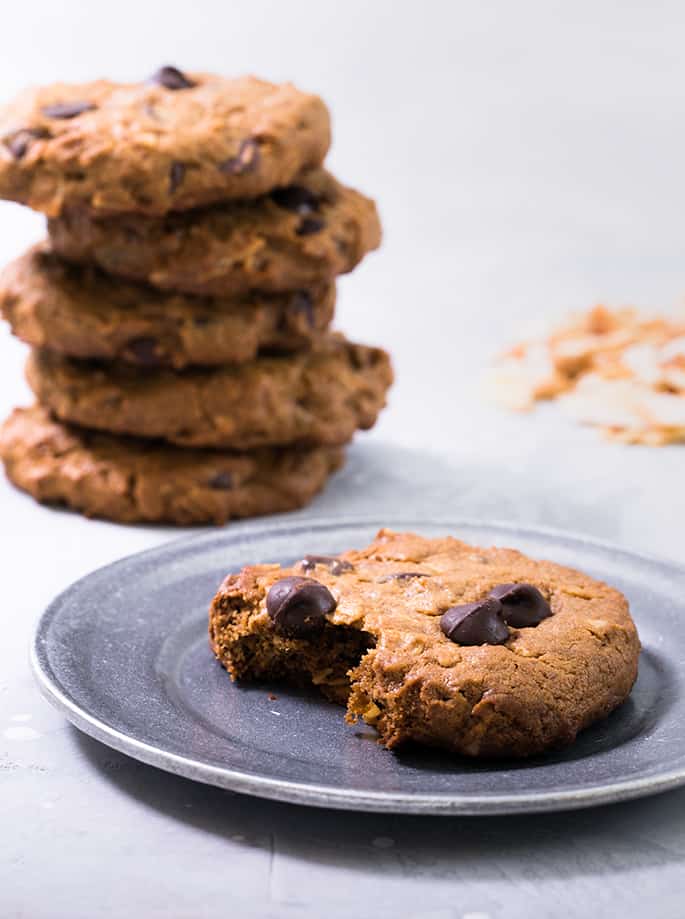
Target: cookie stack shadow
179 313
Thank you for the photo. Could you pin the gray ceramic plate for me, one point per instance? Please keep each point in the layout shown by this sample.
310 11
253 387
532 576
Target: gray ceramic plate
123 654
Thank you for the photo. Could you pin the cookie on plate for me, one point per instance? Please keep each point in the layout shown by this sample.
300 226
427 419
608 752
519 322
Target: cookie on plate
294 237
316 397
483 652
132 481
81 312
171 142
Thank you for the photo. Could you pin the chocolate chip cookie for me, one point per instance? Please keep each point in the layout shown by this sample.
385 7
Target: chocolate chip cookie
319 397
294 237
171 142
132 481
79 311
483 652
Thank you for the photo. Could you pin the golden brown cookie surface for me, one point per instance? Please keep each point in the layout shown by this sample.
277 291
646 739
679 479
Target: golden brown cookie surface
380 648
81 312
294 237
318 397
131 481
172 142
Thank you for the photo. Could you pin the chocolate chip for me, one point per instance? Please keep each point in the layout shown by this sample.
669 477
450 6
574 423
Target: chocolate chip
171 78
403 576
145 351
334 564
310 225
177 174
245 160
222 481
478 623
19 142
67 109
302 303
296 198
151 111
299 606
522 604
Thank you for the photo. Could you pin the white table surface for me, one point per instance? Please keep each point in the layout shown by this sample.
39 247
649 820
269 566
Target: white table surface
528 160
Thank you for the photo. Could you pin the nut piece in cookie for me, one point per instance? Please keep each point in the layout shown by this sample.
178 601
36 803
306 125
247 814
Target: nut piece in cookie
483 652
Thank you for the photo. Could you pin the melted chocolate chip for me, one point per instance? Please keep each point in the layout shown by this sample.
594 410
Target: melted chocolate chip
245 160
177 174
296 198
403 576
310 225
171 78
151 111
302 303
334 564
67 109
222 481
522 604
19 142
478 623
299 606
144 350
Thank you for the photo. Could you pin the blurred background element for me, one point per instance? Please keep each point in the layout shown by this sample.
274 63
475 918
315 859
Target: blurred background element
527 159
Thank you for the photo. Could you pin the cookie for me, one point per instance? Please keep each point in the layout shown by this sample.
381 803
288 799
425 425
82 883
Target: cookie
319 397
295 237
79 311
482 652
133 481
169 143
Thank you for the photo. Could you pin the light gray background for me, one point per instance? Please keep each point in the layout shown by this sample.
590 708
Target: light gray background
527 159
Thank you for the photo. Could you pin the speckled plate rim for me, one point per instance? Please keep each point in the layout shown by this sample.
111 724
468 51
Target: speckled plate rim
327 796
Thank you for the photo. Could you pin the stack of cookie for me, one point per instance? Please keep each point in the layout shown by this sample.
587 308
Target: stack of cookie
179 313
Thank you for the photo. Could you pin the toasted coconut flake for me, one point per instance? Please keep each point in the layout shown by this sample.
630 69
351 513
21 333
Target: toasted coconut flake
616 369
